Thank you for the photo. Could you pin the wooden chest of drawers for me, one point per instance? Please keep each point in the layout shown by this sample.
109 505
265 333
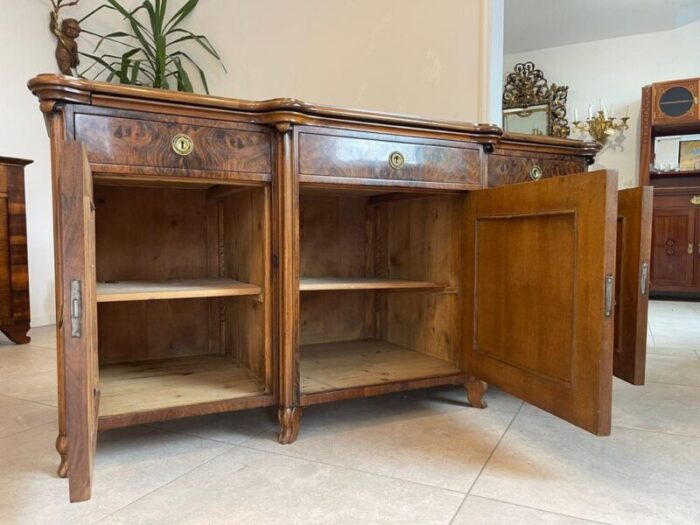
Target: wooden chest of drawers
286 254
14 273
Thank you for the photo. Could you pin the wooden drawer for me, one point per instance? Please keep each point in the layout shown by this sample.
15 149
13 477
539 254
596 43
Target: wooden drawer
680 200
511 169
147 140
366 158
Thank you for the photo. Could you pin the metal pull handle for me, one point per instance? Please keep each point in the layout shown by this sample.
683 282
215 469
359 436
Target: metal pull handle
643 278
609 294
76 309
695 199
536 172
690 248
182 145
396 160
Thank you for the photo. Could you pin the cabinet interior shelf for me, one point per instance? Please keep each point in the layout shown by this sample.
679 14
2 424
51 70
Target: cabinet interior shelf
167 383
116 291
318 284
365 362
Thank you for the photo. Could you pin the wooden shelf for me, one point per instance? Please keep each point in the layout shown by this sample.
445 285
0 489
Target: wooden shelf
167 383
670 174
348 364
108 292
317 284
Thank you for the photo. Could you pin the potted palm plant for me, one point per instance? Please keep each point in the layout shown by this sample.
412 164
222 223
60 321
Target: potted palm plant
153 50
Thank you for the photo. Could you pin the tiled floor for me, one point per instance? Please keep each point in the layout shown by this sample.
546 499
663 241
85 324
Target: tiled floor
421 458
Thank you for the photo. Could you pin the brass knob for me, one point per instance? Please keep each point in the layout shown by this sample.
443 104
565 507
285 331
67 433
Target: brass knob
182 145
695 199
396 160
536 172
690 248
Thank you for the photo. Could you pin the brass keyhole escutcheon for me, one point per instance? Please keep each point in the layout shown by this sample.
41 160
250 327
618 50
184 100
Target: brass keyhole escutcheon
396 160
695 199
536 172
182 145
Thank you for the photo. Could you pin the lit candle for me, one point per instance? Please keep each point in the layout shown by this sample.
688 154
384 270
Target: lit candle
605 113
612 110
590 111
576 115
601 105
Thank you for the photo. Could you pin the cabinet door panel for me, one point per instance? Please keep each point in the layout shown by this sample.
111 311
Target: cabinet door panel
634 211
78 316
673 245
538 319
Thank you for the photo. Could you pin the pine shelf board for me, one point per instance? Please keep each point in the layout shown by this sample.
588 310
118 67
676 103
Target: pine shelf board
176 382
117 291
317 284
348 364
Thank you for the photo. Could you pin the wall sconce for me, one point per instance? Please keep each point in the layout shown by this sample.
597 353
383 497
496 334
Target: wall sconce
599 126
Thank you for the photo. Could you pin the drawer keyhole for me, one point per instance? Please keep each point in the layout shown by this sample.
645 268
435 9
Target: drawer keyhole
182 145
396 160
536 172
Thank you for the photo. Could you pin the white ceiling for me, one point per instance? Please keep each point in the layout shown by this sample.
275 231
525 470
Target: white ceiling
539 24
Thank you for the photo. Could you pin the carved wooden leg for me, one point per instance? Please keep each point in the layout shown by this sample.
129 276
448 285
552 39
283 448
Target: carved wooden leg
475 392
17 333
62 448
289 418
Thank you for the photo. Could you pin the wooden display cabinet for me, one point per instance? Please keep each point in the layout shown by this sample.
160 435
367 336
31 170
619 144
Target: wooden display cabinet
218 254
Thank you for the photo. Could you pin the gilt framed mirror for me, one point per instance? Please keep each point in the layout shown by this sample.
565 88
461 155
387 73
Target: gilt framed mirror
531 105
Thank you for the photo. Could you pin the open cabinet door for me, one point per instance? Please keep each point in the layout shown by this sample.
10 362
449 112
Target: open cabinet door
539 293
634 214
78 316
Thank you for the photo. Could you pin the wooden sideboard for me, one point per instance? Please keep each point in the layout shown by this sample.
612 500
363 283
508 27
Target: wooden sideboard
217 254
14 273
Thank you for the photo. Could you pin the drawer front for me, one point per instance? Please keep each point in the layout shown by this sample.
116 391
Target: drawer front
509 169
152 143
380 160
689 200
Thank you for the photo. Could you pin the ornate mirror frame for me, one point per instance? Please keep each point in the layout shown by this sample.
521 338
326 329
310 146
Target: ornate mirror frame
526 87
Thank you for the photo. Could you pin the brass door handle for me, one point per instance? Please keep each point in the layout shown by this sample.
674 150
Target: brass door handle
536 172
695 199
182 145
690 248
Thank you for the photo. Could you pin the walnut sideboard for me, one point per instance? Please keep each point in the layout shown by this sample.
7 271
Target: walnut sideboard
216 254
14 271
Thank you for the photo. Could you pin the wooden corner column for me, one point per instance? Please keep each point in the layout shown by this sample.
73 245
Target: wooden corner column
285 189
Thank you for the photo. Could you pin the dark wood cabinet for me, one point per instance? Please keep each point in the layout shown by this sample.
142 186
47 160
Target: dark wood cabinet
318 254
14 272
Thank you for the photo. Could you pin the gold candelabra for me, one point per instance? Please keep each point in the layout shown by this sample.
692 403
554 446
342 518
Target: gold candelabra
600 127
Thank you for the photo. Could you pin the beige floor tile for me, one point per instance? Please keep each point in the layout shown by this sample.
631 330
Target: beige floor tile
250 487
496 399
482 511
233 427
630 477
43 336
130 463
657 407
28 372
17 415
666 350
400 437
673 370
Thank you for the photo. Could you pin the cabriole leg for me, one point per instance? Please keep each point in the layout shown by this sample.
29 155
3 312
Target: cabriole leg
289 418
476 390
62 448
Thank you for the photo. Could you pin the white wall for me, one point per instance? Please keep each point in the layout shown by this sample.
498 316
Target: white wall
420 57
615 70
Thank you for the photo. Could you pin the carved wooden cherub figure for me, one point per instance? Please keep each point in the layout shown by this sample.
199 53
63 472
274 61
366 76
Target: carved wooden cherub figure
66 47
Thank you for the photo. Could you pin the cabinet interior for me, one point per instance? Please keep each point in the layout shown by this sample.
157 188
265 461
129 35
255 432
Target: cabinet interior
378 289
182 286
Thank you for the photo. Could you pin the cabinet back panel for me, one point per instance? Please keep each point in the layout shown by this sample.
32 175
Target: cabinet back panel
150 233
143 330
520 251
342 316
333 236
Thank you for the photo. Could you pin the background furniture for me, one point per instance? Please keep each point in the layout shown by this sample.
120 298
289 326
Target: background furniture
14 273
244 254
670 114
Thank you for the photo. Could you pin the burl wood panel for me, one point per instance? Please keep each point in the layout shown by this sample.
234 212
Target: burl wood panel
673 246
364 159
535 322
145 141
511 169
